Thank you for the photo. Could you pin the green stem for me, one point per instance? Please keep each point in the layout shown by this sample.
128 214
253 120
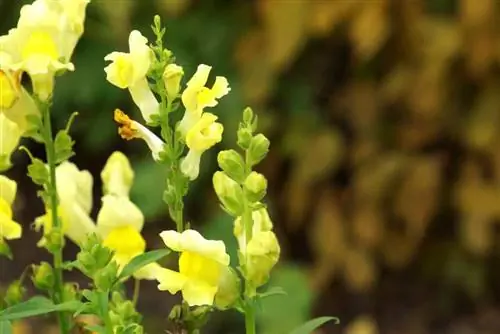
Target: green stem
64 325
137 289
104 310
248 223
250 320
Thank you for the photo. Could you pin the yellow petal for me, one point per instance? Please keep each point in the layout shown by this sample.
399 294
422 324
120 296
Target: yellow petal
193 241
170 280
205 133
198 293
149 272
199 79
8 189
118 212
117 175
200 268
126 242
74 185
10 134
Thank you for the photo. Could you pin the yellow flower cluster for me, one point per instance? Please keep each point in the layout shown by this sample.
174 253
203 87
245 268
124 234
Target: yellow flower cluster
40 45
199 129
43 41
9 229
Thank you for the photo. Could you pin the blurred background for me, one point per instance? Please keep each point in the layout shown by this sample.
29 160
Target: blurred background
384 170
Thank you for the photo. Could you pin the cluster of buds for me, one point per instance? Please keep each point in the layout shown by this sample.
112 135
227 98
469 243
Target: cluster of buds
241 191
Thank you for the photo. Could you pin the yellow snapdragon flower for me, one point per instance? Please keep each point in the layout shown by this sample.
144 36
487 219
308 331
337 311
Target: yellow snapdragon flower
120 221
117 175
200 137
74 190
42 43
128 70
203 266
9 229
130 129
196 96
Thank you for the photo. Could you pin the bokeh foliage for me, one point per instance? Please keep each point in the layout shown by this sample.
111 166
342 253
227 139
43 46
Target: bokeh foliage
384 119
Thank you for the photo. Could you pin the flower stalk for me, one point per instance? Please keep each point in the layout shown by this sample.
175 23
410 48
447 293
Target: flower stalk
51 189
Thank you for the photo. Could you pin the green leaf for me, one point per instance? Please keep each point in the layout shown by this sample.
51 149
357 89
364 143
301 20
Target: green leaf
142 260
274 291
36 306
311 325
63 146
5 250
38 172
5 327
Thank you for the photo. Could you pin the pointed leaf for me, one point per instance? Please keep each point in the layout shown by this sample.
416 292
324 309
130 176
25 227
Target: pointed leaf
36 306
311 325
142 260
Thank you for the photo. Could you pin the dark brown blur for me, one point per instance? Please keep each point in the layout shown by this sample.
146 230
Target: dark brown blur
384 170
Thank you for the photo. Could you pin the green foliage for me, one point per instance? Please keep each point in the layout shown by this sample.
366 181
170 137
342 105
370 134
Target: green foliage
142 260
312 325
15 293
5 250
282 313
38 172
36 306
64 146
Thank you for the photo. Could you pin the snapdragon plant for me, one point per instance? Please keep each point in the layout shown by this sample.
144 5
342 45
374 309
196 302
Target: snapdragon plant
112 248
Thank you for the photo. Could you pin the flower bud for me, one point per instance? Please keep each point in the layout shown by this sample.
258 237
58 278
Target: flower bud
229 289
15 293
262 253
256 186
244 137
54 240
247 115
229 192
69 292
105 277
259 146
43 276
232 163
172 78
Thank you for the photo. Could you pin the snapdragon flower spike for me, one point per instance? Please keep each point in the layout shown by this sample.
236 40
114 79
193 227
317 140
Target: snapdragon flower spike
196 96
199 138
203 266
9 229
128 70
130 129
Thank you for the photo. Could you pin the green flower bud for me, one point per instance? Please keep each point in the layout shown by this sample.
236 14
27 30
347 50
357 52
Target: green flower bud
175 314
105 277
232 163
229 289
229 192
262 253
259 146
54 240
15 293
172 78
244 137
247 115
70 292
43 276
256 186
